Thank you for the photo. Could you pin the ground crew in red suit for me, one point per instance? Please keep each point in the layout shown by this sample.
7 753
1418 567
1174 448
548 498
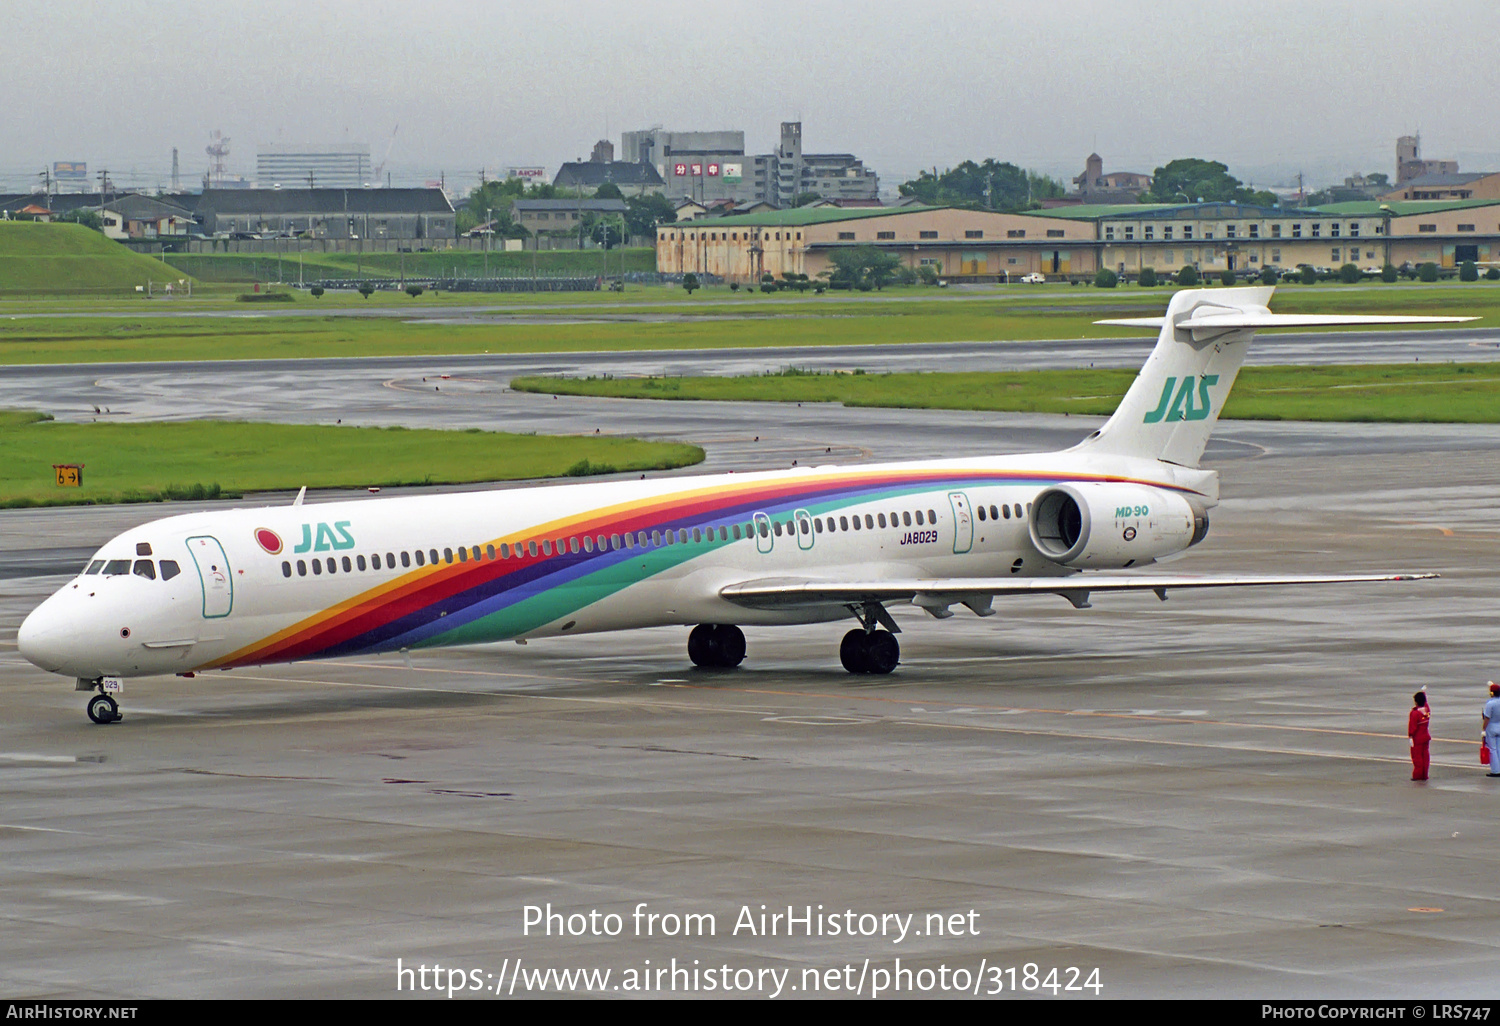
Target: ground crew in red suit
1421 737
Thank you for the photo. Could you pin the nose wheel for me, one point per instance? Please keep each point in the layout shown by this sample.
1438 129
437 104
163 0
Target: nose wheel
103 709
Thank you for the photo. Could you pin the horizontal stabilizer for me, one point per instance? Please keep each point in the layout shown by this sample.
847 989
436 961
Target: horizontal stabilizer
1210 319
793 592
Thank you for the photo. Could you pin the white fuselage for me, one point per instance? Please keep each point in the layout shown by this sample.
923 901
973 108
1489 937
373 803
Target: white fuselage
276 584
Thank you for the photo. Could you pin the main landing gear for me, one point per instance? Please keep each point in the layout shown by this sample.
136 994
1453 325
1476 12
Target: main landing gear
720 645
869 651
102 708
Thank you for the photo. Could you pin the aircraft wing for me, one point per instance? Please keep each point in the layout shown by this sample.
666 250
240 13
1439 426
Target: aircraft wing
937 593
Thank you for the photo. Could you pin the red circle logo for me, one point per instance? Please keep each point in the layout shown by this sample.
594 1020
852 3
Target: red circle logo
269 540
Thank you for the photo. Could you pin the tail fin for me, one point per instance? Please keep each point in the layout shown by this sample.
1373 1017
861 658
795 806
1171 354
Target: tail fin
1174 403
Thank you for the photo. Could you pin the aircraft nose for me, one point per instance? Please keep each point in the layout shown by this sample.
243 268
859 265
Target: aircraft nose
43 638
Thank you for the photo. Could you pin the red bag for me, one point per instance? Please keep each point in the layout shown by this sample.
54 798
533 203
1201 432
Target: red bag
1484 754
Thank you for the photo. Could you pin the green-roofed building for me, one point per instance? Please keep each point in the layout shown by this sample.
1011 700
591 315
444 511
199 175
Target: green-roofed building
962 245
1074 242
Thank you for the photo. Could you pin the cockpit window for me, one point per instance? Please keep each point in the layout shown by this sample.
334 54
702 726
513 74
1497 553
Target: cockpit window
169 569
117 566
145 568
95 566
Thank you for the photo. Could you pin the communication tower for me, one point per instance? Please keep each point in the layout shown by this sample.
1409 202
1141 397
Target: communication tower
218 150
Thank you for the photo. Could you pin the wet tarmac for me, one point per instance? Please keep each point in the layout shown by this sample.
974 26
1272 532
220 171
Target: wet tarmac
1203 797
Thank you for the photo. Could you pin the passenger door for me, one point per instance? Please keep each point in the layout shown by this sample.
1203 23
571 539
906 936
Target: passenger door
963 523
214 574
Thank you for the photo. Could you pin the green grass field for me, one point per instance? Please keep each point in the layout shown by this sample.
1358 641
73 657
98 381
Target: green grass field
1440 393
658 318
290 267
208 459
69 259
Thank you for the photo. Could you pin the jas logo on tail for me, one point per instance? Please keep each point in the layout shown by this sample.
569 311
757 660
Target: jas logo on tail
1177 401
323 537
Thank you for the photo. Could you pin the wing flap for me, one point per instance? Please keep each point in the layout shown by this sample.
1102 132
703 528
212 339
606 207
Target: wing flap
789 592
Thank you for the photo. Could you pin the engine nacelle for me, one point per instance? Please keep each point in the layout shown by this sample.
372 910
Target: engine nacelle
1092 526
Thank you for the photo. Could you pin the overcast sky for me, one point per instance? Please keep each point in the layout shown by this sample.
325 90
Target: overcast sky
1267 86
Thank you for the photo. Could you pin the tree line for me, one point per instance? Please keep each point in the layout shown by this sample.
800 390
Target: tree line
1003 186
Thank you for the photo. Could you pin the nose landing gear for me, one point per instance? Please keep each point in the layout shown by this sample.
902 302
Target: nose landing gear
102 708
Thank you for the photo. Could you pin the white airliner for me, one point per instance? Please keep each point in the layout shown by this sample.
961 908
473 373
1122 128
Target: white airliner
245 587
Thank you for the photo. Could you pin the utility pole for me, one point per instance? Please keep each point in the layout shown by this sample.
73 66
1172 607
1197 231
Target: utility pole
622 250
489 231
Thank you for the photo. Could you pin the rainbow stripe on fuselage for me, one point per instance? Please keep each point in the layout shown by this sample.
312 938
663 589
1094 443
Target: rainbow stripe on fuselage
488 600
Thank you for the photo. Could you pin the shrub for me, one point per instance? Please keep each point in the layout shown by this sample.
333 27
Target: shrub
316 291
414 291
366 289
1493 274
734 286
1388 273
1309 274
927 273
1106 279
1226 277
1148 277
689 282
1268 276
1349 274
1188 275
1467 271
1428 272
583 468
